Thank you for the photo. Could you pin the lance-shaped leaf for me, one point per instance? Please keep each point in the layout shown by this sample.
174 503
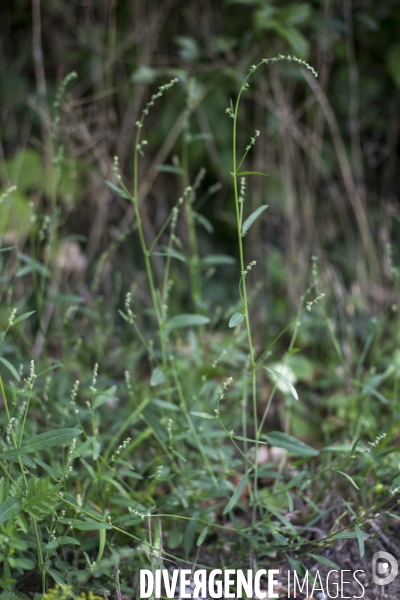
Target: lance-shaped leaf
236 496
11 368
187 321
289 443
250 220
117 190
45 440
285 380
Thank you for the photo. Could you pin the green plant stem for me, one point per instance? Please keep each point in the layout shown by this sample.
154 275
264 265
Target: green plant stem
146 254
253 366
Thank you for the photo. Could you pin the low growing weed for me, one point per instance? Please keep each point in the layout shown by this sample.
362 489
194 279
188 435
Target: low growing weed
154 438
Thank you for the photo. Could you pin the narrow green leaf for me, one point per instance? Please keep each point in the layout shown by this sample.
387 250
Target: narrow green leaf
205 223
235 319
53 438
250 220
76 237
203 415
202 535
27 462
169 169
126 521
102 399
96 448
206 511
124 463
55 474
81 449
236 496
347 505
189 535
9 509
165 404
285 381
90 525
360 540
393 516
117 190
89 468
49 369
349 478
200 136
23 317
296 565
157 377
344 535
62 541
56 576
296 479
213 260
32 265
289 443
288 525
171 254
124 316
4 490
380 396
324 561
27 564
67 298
11 368
278 537
187 321
337 448
242 173
354 446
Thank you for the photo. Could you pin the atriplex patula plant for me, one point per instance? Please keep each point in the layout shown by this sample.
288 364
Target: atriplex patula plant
167 369
242 228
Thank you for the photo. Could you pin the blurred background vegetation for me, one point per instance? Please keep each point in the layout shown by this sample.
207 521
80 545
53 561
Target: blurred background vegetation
330 146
